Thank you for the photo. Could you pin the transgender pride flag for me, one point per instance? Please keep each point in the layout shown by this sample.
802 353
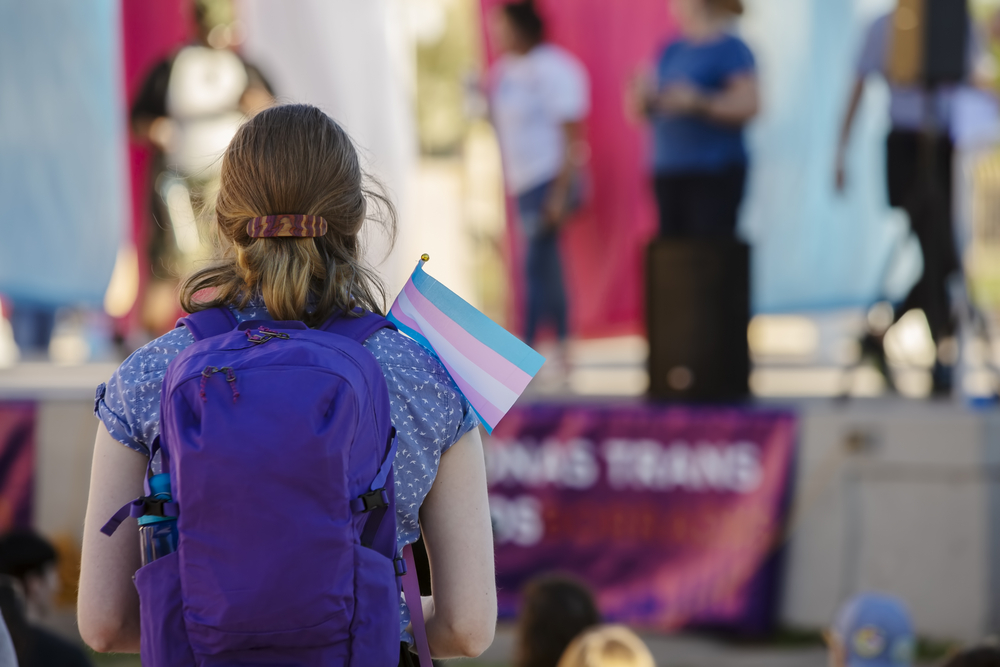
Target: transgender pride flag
488 364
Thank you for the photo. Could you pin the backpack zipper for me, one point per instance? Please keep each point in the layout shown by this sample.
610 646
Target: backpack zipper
263 335
230 378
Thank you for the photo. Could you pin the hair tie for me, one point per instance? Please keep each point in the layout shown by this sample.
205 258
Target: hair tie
300 226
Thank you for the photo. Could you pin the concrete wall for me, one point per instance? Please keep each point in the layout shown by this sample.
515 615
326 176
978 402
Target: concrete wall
64 448
900 497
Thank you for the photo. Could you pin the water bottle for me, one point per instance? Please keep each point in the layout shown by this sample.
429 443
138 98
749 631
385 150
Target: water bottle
157 534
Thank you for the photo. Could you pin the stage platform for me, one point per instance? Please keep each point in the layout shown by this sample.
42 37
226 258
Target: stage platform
889 494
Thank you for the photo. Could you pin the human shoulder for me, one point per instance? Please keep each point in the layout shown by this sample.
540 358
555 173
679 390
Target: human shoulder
553 57
872 57
671 48
154 357
737 52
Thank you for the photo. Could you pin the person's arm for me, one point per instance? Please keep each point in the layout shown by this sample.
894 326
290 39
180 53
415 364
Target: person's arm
736 104
148 116
639 97
845 132
871 60
107 604
461 614
557 204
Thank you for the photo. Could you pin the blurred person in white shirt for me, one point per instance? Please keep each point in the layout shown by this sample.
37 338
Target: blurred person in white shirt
540 97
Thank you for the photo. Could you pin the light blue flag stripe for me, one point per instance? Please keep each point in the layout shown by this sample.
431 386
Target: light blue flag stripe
486 330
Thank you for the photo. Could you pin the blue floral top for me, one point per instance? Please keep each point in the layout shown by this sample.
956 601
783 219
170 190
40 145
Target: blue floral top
428 411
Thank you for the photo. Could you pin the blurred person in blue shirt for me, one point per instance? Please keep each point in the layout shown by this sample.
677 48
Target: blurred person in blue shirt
872 630
703 94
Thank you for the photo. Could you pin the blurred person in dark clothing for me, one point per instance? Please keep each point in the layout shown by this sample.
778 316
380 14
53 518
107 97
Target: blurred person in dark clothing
872 630
919 179
32 324
982 656
188 109
703 94
539 99
554 610
29 561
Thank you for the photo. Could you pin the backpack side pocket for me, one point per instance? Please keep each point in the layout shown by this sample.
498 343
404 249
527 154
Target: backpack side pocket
164 637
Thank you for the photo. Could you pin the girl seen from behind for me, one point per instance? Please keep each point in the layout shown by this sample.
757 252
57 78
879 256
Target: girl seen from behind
294 161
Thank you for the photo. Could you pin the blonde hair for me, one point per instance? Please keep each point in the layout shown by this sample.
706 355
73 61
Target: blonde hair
731 6
607 646
292 159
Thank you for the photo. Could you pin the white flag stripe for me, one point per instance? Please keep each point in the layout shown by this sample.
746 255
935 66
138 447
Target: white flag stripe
491 389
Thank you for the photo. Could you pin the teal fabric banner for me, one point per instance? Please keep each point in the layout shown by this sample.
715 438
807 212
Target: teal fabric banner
815 248
62 152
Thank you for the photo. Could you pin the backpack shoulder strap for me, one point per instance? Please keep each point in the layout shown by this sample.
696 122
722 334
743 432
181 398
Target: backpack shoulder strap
356 328
207 323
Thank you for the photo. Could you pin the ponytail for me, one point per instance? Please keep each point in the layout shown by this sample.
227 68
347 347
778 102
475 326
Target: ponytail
293 159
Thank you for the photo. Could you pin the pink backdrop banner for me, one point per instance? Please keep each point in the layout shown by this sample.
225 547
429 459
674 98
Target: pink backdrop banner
673 515
604 246
151 32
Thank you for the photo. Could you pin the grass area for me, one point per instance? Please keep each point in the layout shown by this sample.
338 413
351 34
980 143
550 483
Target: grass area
932 650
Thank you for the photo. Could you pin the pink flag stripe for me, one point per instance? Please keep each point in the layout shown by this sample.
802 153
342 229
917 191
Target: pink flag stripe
468 345
488 386
487 411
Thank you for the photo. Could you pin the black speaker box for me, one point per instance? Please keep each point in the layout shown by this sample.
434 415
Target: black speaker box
697 313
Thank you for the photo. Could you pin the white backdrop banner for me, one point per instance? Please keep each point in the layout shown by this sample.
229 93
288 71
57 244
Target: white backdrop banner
815 248
352 59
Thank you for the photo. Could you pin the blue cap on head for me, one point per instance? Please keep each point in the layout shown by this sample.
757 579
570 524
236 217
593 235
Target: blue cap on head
876 631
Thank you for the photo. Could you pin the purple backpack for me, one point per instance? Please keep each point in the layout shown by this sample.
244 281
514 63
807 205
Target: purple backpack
279 445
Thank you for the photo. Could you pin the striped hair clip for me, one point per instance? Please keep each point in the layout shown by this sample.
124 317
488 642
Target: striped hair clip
301 226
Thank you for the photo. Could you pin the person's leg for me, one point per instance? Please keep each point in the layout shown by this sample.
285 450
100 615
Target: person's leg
551 273
668 189
902 154
920 180
529 207
715 199
535 283
942 246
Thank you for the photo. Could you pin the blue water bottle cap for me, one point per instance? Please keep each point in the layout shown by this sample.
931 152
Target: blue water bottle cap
159 486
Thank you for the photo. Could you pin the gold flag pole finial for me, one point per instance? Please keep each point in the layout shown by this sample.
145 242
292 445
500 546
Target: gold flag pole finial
425 257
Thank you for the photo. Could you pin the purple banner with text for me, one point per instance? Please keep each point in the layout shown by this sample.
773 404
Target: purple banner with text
671 514
17 464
